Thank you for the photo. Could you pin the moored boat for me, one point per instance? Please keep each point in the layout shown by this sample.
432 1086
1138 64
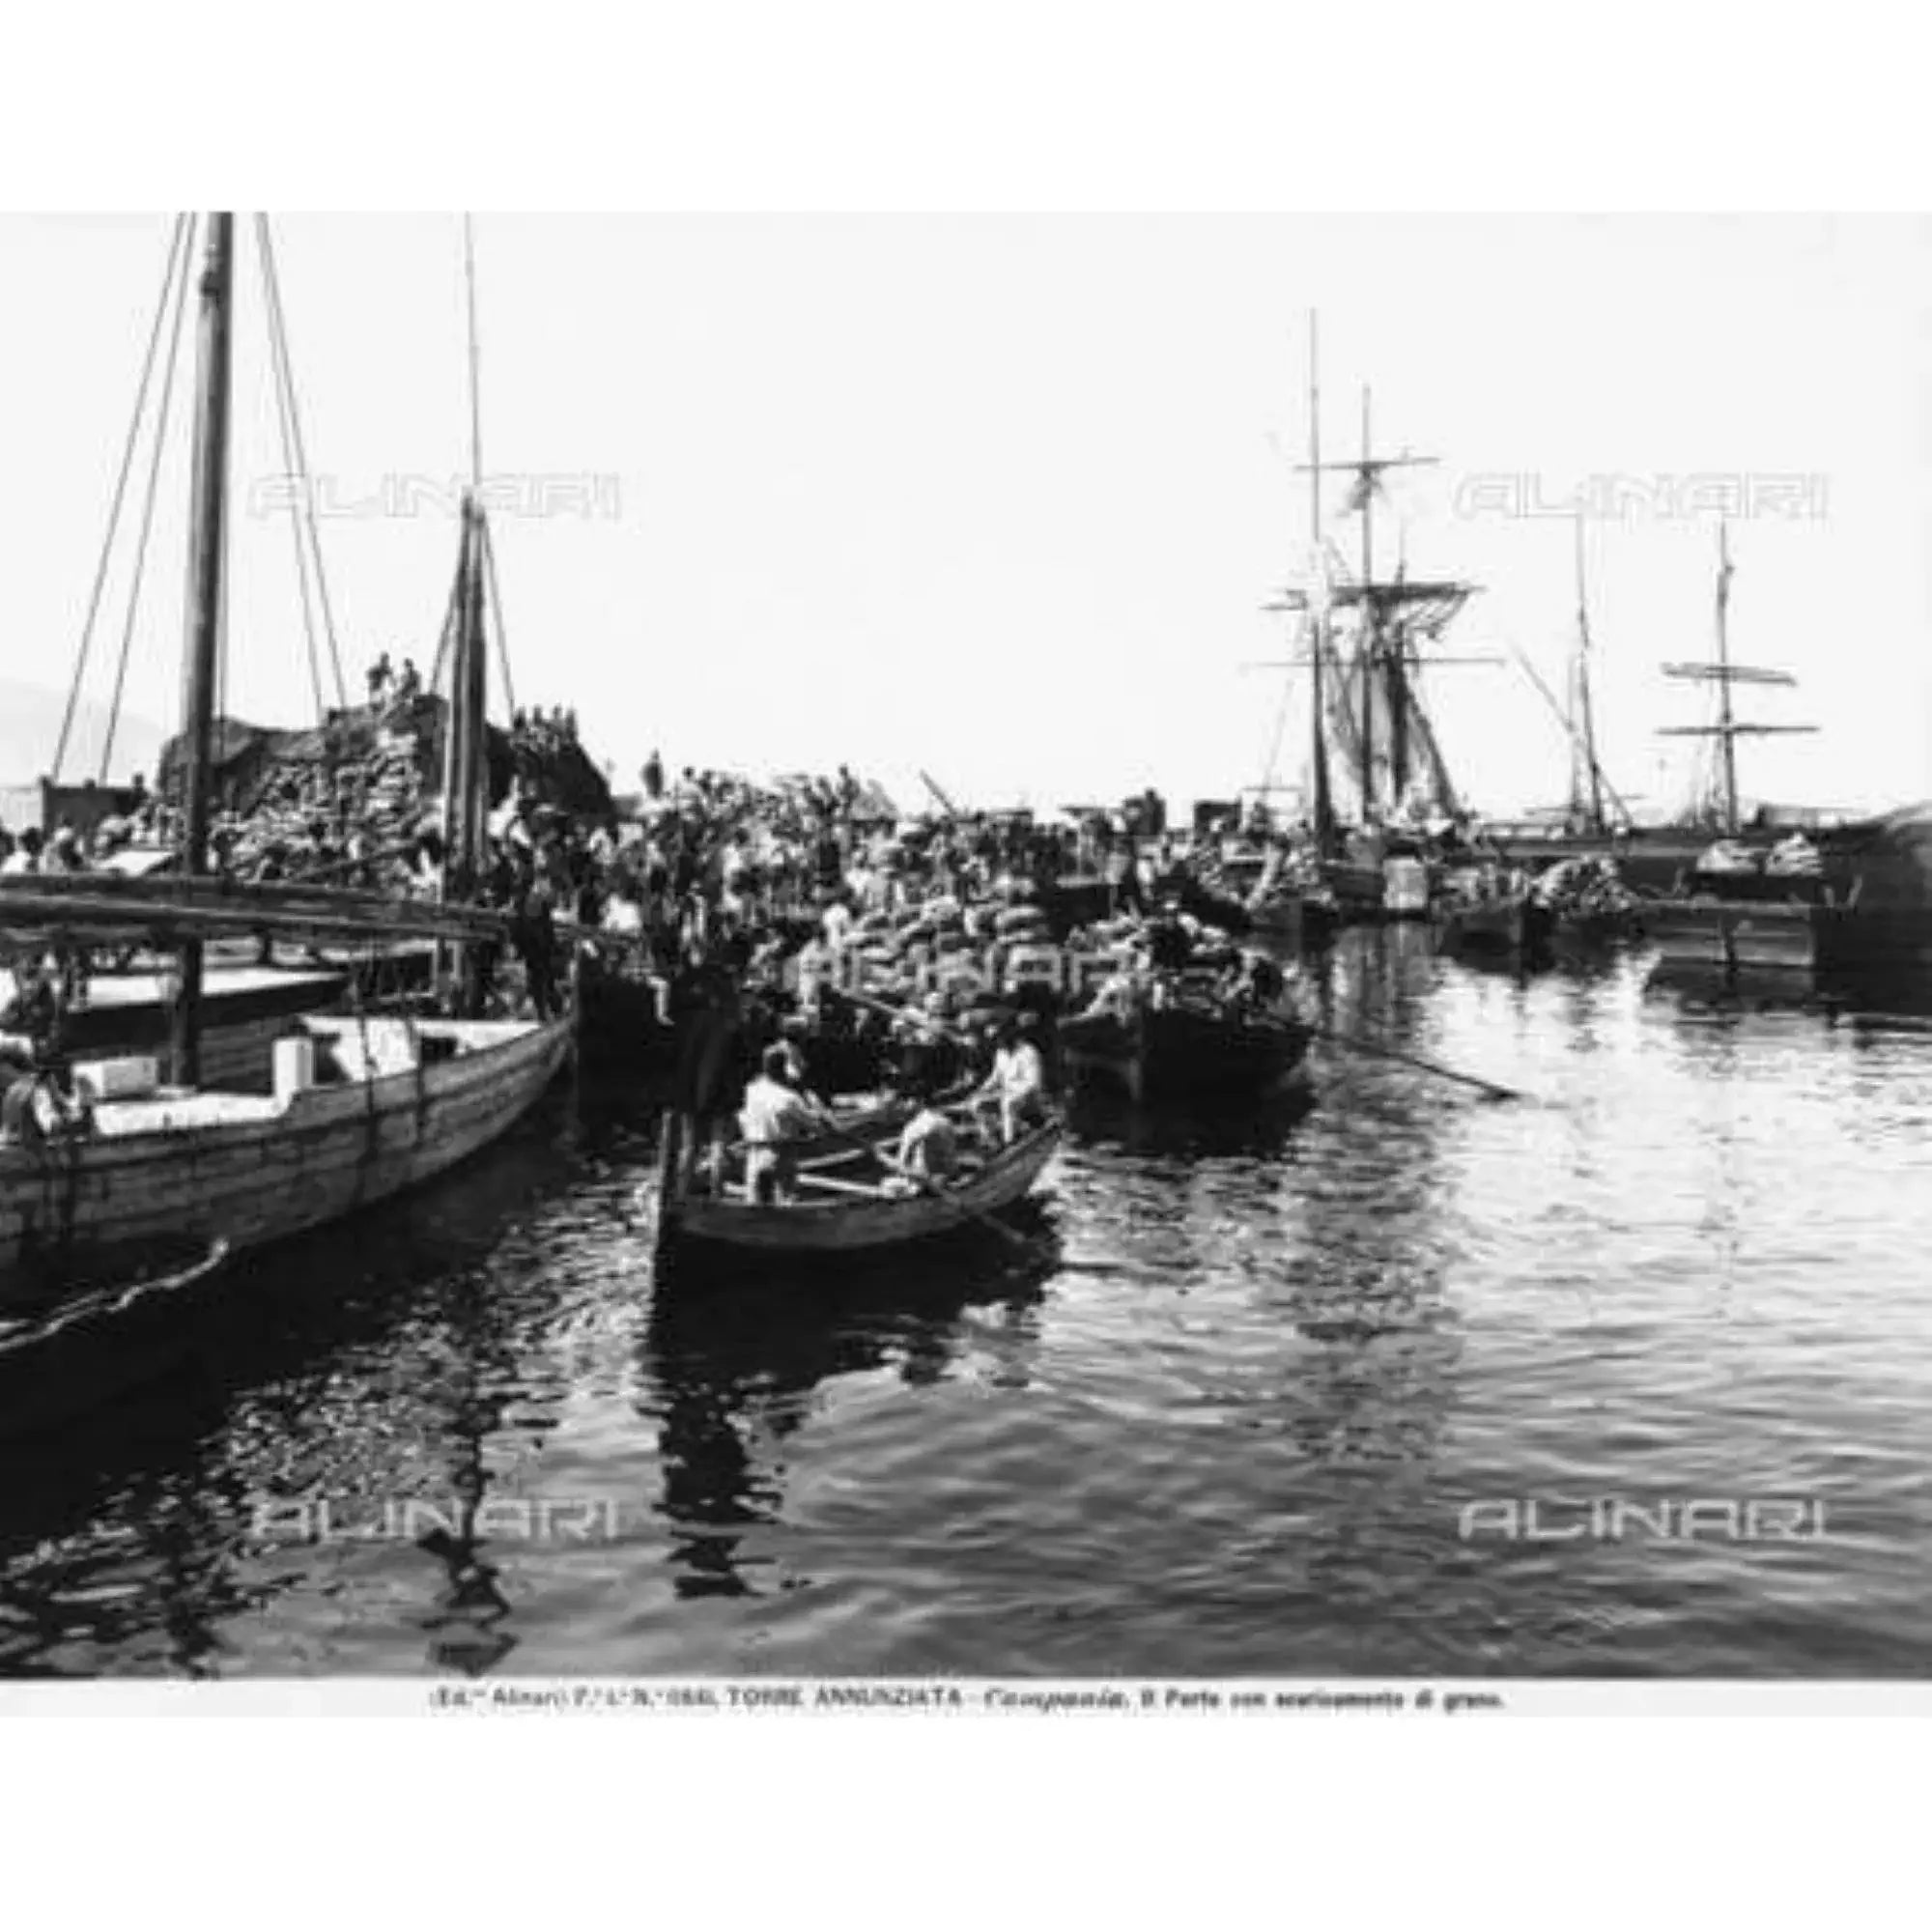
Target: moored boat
99 1158
1185 1047
1510 921
403 1103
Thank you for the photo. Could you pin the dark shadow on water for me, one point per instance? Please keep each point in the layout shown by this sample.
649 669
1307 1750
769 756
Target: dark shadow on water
732 1367
1102 1117
122 1524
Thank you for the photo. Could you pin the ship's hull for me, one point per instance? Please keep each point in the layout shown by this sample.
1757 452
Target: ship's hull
1179 1051
1516 925
1705 935
248 1170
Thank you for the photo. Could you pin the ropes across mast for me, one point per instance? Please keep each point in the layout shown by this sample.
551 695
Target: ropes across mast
151 496
178 249
284 367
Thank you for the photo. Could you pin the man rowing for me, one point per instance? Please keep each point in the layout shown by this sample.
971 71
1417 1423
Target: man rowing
775 1117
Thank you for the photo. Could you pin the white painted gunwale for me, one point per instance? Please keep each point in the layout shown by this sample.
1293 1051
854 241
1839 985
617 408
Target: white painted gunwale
847 1226
251 1170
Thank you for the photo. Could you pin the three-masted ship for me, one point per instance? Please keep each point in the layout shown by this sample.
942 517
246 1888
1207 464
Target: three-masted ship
1376 773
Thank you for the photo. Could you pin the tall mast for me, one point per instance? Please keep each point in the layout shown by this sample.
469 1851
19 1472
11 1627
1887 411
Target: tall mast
1370 622
1395 681
1437 601
1723 673
478 737
1582 725
1325 806
475 359
204 608
466 768
1727 728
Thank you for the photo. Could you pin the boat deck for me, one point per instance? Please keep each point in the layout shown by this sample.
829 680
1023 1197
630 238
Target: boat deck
117 991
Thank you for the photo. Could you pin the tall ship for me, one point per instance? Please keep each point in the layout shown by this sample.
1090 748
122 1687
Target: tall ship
1376 776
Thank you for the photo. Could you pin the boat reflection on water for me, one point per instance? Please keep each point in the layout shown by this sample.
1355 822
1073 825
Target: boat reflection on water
733 1372
284 1441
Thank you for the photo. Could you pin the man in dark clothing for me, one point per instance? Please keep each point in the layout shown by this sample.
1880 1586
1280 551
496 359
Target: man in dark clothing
533 933
708 1083
1168 945
654 777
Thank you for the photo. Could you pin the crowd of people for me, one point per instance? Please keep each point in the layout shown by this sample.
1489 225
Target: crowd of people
732 903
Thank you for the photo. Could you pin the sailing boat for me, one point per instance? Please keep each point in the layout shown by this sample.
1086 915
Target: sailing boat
1521 909
362 1107
1371 736
1739 908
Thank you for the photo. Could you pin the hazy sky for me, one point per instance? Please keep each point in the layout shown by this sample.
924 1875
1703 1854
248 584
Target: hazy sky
1004 497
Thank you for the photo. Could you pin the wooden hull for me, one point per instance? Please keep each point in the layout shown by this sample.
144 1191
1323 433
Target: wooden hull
1513 926
619 1029
1723 936
819 1229
247 1171
1178 1050
1289 918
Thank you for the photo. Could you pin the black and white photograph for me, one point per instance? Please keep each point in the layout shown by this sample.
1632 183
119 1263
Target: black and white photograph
949 960
1023 947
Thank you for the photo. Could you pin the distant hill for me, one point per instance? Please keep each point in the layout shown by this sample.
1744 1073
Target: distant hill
30 722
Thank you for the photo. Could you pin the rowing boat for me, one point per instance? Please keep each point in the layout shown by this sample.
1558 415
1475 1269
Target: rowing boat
838 1212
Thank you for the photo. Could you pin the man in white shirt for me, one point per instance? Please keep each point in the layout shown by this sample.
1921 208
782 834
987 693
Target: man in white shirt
929 1147
836 920
774 1117
1017 1082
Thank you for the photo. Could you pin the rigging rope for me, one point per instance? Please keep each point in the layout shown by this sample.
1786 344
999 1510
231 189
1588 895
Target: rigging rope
450 617
497 616
280 335
476 459
177 255
1274 743
148 506
284 407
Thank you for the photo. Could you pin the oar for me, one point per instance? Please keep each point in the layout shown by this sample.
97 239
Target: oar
929 1187
1357 1044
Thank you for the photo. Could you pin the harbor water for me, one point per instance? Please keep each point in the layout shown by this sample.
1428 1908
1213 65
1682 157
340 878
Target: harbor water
1632 1376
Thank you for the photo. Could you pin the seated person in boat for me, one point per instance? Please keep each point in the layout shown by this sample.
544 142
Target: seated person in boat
1017 1083
775 1117
932 1058
1251 984
929 1147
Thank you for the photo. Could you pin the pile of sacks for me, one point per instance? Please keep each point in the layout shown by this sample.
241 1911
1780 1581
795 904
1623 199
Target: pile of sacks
1586 888
944 956
309 814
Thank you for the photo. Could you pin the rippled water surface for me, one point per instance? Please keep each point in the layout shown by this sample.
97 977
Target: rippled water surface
1225 1419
